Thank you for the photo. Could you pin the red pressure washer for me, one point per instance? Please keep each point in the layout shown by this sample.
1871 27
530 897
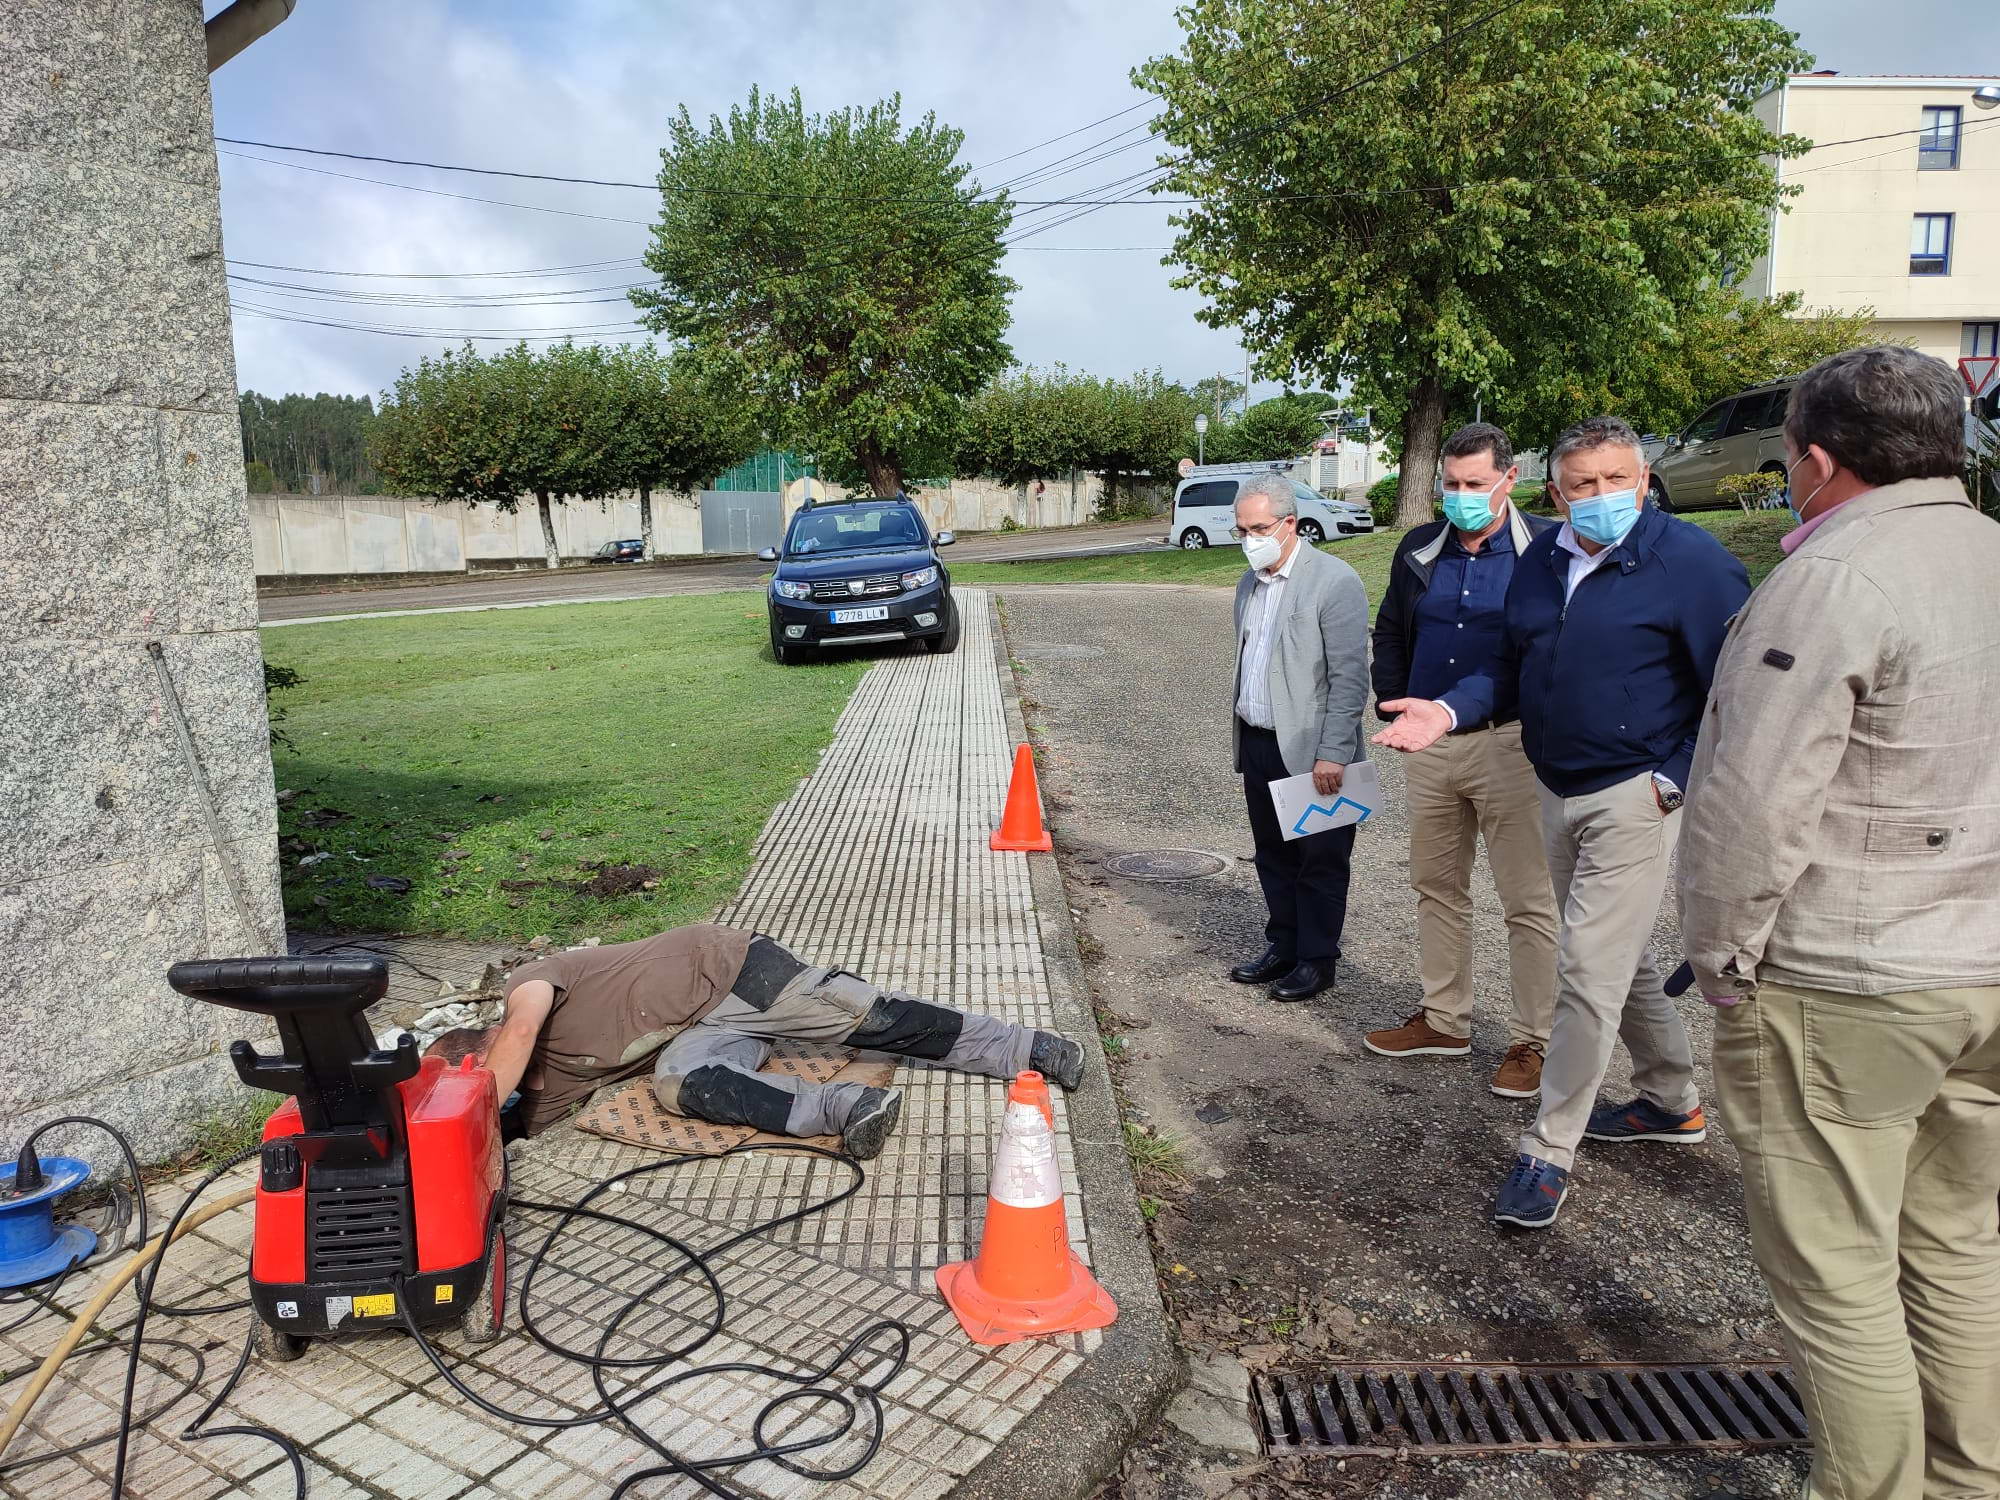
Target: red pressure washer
382 1181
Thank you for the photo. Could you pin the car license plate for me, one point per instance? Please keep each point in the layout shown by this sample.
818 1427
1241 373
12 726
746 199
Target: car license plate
860 616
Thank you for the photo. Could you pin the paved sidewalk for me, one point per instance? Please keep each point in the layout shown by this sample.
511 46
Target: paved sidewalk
877 863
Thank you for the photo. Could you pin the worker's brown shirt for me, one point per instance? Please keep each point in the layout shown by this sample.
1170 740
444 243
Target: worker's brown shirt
616 1007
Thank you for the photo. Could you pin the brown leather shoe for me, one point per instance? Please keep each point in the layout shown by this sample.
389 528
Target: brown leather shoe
1416 1037
1519 1075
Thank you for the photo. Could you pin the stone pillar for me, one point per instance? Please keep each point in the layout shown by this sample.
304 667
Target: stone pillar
123 520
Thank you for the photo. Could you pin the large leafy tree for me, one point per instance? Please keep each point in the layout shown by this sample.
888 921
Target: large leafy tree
839 269
1035 424
486 430
290 442
1540 191
675 428
1282 427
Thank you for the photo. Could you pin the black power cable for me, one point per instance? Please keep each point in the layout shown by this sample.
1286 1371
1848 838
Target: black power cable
839 1407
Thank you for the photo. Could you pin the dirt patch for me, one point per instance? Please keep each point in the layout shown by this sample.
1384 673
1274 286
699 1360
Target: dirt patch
611 881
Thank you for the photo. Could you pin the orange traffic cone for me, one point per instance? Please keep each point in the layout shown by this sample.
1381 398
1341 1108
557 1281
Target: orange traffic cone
1027 1282
1021 824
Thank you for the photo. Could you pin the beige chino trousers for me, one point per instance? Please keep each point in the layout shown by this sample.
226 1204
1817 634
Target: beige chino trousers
1869 1130
1464 788
1608 856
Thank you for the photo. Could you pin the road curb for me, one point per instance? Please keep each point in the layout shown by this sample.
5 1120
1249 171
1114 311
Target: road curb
1077 1437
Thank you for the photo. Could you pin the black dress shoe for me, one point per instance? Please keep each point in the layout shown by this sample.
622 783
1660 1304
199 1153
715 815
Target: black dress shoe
1307 980
1265 967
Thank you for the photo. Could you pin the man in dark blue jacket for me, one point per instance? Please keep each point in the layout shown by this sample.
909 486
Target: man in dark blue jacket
1613 625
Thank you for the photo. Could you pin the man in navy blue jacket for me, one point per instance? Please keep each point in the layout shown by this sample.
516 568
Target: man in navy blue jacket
1613 625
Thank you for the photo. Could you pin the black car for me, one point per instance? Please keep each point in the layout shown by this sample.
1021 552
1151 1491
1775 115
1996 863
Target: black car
631 550
856 573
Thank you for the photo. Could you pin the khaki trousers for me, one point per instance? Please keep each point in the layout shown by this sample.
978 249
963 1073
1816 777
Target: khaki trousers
1869 1130
1463 788
1608 855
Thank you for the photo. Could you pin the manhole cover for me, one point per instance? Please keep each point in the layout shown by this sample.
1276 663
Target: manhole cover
1464 1408
1167 864
1056 651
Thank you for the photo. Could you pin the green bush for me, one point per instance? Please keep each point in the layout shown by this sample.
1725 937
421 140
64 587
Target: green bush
1382 499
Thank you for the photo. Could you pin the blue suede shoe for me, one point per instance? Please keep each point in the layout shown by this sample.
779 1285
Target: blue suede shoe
1532 1194
1643 1120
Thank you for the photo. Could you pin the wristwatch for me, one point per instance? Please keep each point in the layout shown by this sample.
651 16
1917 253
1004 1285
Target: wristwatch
1670 795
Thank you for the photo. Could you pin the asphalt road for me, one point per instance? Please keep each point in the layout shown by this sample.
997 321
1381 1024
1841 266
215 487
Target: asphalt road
1335 1203
520 590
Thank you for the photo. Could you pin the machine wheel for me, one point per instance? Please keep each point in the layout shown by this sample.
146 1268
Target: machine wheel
1311 531
273 1345
487 1316
947 642
784 655
1656 495
1193 539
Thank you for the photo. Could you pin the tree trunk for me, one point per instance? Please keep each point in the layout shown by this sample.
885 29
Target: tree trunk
646 517
1423 436
548 528
885 476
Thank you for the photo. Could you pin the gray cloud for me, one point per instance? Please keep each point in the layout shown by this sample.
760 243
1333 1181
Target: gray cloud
585 88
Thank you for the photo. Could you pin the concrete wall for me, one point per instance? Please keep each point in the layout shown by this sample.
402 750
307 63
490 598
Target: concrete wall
122 521
1845 240
340 535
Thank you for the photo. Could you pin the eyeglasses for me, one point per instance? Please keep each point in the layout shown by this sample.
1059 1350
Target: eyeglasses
1269 528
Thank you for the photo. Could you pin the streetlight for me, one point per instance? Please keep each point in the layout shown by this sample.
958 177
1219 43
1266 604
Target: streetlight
1987 96
1200 436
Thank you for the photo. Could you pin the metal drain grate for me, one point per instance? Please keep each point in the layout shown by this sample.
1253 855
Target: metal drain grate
1167 864
1463 1408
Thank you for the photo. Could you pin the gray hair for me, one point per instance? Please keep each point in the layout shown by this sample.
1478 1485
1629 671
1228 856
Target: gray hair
1273 487
1885 413
1591 434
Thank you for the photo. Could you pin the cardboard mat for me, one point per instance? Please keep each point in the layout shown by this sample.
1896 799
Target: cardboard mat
632 1112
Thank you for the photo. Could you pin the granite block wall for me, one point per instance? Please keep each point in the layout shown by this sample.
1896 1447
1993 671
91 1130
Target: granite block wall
122 521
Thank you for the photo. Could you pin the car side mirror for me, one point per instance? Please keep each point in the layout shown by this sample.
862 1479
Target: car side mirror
946 538
769 554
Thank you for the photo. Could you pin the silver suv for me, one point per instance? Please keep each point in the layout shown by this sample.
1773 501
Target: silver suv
1744 434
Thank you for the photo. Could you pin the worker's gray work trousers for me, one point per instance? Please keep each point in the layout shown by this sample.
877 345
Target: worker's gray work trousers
710 1071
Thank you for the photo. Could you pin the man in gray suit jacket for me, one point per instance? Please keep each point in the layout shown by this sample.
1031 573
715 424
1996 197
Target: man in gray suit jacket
1301 686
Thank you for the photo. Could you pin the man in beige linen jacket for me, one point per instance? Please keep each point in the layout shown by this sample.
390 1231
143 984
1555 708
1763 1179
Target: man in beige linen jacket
1840 900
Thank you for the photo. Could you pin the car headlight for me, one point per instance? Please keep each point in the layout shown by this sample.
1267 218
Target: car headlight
923 578
785 589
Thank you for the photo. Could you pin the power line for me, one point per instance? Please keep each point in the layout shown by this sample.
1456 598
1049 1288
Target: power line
409 187
579 268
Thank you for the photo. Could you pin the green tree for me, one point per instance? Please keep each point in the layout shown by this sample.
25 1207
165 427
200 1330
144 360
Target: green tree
1215 394
1526 201
674 429
486 430
307 444
841 271
1282 427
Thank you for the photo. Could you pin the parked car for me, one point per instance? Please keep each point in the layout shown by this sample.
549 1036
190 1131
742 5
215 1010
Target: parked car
633 550
856 573
1205 508
1744 434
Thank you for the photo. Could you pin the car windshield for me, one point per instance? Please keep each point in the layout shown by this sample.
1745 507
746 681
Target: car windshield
852 528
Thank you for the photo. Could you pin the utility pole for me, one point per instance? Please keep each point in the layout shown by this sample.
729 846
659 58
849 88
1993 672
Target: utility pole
1246 380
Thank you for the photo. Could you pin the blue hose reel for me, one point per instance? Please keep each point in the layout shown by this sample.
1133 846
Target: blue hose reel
32 1248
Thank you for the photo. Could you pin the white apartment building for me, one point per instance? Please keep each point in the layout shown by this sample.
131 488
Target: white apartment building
1897 208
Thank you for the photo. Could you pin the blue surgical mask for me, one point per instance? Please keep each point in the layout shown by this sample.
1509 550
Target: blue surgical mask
1470 510
1799 510
1605 519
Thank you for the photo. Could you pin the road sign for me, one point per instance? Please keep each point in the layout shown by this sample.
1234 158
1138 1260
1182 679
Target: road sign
1981 372
1187 467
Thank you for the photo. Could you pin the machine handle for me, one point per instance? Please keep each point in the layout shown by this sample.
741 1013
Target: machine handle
284 986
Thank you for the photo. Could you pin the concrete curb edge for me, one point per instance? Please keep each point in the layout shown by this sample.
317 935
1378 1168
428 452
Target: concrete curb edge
1078 1436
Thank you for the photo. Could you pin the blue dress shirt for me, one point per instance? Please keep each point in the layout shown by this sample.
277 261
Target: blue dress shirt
1461 618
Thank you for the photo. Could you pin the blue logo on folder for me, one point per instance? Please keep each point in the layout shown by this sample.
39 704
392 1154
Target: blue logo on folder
1333 811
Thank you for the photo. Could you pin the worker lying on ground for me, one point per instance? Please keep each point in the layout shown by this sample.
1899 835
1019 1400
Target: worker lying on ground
700 1006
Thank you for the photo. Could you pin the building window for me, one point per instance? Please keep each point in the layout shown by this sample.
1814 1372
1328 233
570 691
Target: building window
1979 338
1930 245
1937 147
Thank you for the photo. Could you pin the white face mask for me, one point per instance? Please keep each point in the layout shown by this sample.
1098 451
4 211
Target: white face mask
1263 551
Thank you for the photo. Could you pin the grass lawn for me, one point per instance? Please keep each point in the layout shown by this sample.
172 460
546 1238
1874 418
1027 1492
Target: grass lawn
490 759
1753 538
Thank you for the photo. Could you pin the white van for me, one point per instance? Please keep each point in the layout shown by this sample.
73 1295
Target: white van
1205 508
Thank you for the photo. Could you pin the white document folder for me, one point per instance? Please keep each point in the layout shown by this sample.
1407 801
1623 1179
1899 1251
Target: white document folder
1302 810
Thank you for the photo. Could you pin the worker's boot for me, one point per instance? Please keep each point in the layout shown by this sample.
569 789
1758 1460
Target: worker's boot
869 1123
1057 1059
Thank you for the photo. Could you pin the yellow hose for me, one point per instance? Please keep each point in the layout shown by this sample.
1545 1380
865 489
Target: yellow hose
18 1412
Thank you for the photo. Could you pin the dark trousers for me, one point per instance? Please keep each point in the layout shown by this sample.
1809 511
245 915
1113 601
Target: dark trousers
1304 880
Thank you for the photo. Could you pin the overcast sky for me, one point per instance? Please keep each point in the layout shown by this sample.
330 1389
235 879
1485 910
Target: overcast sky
583 88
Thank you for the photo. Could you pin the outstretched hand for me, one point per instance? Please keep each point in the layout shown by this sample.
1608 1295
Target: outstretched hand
1421 723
